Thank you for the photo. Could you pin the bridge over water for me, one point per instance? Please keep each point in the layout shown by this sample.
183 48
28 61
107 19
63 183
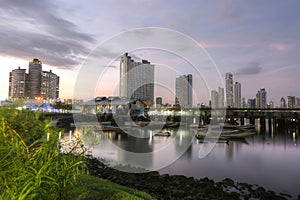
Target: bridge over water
277 115
203 115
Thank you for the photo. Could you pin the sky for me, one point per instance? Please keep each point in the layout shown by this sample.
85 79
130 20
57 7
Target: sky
257 41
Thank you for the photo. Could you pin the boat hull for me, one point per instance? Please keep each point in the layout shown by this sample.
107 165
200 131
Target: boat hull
226 134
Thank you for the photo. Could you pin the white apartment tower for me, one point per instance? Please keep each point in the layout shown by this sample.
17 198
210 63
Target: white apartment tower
17 83
214 99
221 97
229 89
184 90
136 79
237 95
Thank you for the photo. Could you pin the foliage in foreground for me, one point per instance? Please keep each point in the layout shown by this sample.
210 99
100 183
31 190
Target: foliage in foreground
89 187
30 166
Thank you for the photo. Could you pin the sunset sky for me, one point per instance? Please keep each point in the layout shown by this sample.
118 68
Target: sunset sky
258 41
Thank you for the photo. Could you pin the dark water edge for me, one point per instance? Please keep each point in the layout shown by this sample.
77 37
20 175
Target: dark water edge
182 187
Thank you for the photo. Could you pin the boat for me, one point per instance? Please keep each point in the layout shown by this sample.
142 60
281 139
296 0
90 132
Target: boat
240 127
171 124
226 141
163 133
248 127
112 128
226 134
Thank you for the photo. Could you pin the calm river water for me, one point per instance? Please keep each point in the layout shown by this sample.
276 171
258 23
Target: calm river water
270 158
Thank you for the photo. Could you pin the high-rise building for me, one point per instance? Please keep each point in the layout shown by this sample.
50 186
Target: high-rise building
136 79
34 79
183 90
291 101
237 95
217 98
221 101
190 89
251 103
37 84
229 89
261 98
244 104
50 85
158 101
214 99
298 102
17 83
282 103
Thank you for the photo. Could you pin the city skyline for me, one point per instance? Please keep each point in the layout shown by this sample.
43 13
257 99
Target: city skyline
138 71
241 38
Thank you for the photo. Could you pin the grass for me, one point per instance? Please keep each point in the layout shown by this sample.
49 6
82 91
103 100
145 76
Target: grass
89 187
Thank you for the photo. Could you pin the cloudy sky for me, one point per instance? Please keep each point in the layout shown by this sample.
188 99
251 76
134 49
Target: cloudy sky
258 41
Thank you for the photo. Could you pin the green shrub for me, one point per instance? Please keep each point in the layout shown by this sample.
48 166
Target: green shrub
30 166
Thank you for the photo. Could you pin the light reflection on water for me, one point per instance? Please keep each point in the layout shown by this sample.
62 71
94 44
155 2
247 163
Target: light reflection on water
271 158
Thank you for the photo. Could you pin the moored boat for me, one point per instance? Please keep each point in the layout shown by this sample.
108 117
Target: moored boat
113 128
240 127
163 133
225 134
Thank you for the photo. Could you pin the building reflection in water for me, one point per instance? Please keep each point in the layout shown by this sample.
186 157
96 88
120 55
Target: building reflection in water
139 147
116 145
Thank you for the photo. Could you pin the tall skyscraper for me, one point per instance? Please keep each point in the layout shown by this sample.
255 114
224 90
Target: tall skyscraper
190 89
237 95
214 99
298 102
229 89
221 100
261 98
291 101
282 103
50 85
136 79
183 90
17 83
34 79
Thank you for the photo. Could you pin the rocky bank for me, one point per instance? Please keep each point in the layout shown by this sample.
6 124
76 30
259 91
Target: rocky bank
181 187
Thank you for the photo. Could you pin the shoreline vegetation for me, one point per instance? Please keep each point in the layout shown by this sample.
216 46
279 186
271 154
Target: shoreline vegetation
33 167
31 164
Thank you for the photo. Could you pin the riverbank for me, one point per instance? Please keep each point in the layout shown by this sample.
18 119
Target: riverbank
89 187
181 187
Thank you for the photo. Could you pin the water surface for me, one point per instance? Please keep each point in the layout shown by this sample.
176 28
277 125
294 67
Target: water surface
271 158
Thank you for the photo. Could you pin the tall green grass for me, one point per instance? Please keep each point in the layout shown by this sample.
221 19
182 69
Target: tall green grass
30 166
